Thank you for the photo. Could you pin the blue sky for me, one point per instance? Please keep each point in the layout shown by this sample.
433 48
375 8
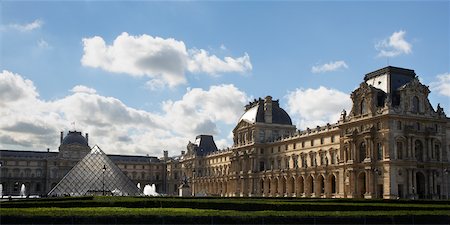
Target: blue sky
271 49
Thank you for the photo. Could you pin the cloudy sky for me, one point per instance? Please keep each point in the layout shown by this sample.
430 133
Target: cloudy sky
144 77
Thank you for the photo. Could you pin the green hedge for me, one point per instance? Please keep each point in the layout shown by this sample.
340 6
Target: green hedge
240 204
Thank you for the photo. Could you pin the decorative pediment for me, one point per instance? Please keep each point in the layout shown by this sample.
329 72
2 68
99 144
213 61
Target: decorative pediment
241 124
362 90
415 86
366 92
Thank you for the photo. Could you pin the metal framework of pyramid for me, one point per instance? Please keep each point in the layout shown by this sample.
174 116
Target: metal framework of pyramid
95 174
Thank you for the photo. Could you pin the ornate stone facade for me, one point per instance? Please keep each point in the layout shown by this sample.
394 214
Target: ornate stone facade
392 144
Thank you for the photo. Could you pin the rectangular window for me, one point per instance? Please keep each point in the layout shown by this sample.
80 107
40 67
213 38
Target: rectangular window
261 151
332 139
333 157
379 151
323 159
312 142
437 150
321 141
294 146
303 144
261 166
399 150
399 125
313 160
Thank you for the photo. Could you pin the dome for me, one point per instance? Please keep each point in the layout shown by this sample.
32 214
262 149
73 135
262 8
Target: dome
74 137
254 113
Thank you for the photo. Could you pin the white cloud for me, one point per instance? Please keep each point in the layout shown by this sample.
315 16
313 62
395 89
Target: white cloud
394 45
163 60
28 26
201 61
43 44
329 67
83 89
14 88
27 122
442 85
315 107
223 103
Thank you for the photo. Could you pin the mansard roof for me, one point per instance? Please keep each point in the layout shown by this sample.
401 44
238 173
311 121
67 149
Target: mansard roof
390 70
26 154
133 158
254 113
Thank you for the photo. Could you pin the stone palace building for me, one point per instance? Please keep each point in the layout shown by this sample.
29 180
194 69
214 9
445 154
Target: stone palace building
392 144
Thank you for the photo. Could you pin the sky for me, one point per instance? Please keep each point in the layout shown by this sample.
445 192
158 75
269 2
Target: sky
142 77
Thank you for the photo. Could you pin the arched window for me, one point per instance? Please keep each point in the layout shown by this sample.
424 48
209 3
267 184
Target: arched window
418 147
363 107
362 151
415 104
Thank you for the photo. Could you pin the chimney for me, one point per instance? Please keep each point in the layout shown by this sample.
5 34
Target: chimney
87 138
62 137
48 150
183 152
268 109
166 155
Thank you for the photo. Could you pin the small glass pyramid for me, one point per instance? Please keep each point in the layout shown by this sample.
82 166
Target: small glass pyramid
95 174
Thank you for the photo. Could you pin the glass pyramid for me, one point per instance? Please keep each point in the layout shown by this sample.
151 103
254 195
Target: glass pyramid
95 174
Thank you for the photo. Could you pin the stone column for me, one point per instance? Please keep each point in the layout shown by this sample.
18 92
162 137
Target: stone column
352 151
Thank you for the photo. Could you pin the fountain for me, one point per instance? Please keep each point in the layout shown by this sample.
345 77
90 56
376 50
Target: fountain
150 190
1 190
22 191
139 186
116 192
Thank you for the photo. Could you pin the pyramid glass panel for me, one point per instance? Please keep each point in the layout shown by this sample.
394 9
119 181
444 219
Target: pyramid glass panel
95 174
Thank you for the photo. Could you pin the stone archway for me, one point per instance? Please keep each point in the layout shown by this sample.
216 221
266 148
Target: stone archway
267 187
332 184
273 187
282 185
420 185
321 185
309 186
361 184
300 186
261 187
291 186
